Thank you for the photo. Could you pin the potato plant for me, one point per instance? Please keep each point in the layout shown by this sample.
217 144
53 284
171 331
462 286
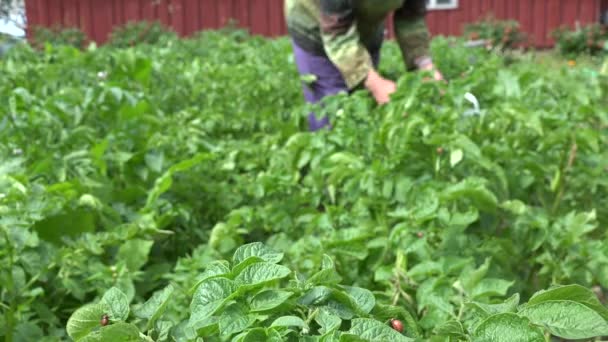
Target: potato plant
171 192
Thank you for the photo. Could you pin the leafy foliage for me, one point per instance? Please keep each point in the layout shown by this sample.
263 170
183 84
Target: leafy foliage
501 34
6 7
589 39
58 36
173 188
140 32
226 307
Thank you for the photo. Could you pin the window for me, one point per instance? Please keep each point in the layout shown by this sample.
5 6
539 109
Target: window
441 4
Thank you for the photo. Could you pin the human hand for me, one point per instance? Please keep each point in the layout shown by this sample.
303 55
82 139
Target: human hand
437 76
381 88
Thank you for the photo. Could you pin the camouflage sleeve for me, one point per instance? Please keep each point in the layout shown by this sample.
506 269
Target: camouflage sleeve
412 33
341 41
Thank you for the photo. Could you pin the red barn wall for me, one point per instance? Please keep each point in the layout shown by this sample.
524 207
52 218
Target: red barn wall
265 17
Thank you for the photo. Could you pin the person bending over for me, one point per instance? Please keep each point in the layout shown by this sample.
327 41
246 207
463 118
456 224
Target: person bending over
339 42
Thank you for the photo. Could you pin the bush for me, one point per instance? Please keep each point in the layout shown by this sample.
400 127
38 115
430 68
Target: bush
504 34
140 33
57 35
454 59
590 39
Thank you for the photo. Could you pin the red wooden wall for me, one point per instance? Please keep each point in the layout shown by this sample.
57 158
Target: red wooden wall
97 17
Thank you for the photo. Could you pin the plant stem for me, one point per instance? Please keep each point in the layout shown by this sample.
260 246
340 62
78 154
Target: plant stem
312 316
10 315
562 182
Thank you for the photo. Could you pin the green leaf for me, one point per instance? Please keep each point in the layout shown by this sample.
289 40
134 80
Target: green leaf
211 295
234 319
450 328
164 182
260 334
507 327
154 307
115 332
425 269
346 305
214 269
261 273
363 298
85 319
510 305
371 330
163 328
236 270
206 327
346 337
118 304
581 223
28 331
386 312
308 78
472 190
268 300
516 207
575 293
288 321
491 287
256 249
471 278
464 219
456 157
155 160
161 185
507 85
315 296
567 319
274 335
342 306
325 277
353 249
135 253
327 320
327 263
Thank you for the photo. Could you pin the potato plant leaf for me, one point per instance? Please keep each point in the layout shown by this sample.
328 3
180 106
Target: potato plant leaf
268 300
116 332
567 319
575 293
210 296
373 331
85 319
508 327
234 319
118 304
154 307
256 249
288 321
260 273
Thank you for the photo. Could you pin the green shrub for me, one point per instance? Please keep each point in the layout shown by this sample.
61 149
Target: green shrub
590 39
455 61
58 35
140 33
503 34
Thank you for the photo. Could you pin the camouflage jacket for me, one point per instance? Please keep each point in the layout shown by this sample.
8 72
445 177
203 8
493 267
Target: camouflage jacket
346 30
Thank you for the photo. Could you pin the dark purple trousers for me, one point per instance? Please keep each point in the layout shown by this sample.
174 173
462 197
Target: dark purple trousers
329 80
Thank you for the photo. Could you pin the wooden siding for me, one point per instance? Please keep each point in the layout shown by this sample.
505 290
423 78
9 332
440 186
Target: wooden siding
265 17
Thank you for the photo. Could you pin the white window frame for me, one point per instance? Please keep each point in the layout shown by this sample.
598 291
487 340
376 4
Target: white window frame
433 5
